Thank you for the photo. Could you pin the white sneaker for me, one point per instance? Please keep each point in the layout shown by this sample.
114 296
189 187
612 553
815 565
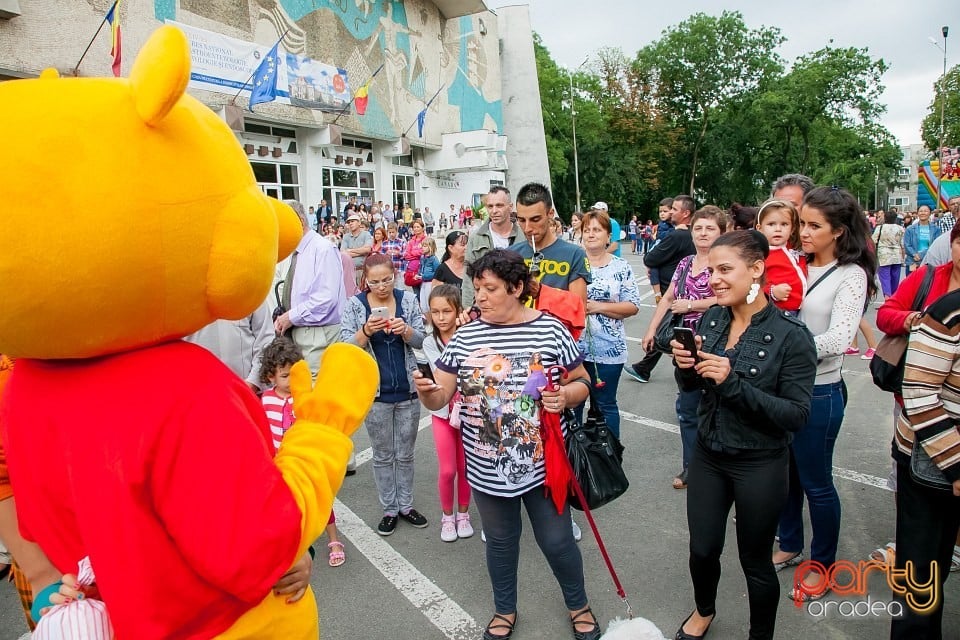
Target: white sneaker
464 528
577 534
448 528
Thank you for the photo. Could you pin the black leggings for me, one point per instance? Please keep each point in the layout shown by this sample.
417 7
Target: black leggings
927 524
756 481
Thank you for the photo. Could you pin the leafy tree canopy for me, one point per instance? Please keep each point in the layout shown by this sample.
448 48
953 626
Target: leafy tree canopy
711 109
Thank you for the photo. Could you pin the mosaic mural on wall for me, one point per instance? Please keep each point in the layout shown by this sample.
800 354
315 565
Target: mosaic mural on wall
420 55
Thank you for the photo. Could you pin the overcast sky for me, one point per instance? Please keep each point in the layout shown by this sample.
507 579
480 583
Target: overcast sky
894 30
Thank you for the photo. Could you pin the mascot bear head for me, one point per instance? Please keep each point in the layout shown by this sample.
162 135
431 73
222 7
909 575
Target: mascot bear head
130 213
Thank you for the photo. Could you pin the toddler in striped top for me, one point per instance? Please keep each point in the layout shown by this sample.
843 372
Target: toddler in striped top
275 363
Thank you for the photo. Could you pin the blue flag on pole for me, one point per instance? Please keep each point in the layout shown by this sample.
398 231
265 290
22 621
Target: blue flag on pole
421 117
265 79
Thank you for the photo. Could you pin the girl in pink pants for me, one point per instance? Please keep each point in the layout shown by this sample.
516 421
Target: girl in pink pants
444 312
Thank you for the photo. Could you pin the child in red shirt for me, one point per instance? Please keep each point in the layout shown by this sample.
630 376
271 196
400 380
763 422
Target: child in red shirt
275 363
786 268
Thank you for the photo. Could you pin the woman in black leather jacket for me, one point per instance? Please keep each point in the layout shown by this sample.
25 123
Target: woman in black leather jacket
756 366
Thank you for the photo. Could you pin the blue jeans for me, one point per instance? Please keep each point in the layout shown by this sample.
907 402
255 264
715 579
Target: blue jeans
811 475
606 396
687 404
502 526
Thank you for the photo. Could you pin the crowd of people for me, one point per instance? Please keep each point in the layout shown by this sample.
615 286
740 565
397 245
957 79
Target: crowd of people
775 295
372 217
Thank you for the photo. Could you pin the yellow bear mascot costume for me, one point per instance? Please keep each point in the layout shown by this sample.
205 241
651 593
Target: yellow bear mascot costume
131 218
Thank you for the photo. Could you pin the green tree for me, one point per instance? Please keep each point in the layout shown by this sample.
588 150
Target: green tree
708 109
930 128
704 63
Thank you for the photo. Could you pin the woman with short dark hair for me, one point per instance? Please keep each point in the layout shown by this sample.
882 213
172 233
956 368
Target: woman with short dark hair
501 365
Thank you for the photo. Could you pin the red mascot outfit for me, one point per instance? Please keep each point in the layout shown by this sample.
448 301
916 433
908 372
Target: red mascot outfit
125 444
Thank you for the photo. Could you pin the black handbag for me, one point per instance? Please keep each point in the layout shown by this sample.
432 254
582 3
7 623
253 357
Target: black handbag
670 320
890 359
924 470
596 457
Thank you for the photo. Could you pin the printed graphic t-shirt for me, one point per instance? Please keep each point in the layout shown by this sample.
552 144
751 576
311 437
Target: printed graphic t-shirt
562 263
500 370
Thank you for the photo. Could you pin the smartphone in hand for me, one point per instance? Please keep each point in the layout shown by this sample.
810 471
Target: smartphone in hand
425 369
685 336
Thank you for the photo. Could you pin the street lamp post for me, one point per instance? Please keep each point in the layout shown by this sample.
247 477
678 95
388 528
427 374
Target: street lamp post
943 103
573 117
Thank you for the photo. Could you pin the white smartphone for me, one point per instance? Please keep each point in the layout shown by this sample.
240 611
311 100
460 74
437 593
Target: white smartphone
380 312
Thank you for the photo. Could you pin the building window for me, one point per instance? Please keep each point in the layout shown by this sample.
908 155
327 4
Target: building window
904 172
267 130
403 191
281 181
339 185
402 161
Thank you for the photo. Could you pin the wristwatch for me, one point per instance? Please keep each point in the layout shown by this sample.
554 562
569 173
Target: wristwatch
689 306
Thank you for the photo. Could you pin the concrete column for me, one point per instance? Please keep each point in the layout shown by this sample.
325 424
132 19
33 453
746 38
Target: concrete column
522 113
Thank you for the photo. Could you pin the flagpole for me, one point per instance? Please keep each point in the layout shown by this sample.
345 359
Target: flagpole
76 69
424 109
250 77
354 96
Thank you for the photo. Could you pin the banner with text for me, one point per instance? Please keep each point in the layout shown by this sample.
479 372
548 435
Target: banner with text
223 64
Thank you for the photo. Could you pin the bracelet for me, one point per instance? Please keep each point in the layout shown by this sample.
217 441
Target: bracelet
363 330
773 297
584 381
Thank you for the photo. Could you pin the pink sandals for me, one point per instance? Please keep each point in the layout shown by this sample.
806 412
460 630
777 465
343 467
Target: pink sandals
337 557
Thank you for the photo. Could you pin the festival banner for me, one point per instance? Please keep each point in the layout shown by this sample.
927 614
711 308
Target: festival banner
225 65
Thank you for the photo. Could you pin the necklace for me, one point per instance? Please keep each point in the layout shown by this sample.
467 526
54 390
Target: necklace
601 260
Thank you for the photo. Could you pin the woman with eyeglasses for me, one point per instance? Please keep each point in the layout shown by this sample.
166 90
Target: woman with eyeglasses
387 323
452 263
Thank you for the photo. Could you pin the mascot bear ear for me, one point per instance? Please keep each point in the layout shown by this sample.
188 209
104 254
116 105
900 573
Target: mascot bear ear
160 74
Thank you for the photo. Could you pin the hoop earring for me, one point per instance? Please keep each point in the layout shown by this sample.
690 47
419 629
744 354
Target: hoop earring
754 292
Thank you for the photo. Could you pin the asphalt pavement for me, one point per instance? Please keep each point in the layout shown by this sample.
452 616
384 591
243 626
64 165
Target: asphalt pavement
413 586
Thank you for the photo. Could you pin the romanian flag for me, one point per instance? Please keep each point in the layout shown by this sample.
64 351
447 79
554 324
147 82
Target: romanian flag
360 98
113 19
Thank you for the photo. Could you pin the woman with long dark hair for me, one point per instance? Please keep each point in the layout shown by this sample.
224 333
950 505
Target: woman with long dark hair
841 274
755 370
389 334
452 263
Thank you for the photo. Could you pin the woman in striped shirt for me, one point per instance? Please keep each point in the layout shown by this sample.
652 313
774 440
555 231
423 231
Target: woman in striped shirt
928 519
500 364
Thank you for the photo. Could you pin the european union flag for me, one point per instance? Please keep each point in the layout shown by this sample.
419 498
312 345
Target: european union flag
421 118
265 79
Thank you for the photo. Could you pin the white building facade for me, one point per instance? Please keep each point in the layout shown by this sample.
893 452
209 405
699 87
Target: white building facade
441 58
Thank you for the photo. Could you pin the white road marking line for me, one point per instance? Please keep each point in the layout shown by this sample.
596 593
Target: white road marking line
846 474
442 612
